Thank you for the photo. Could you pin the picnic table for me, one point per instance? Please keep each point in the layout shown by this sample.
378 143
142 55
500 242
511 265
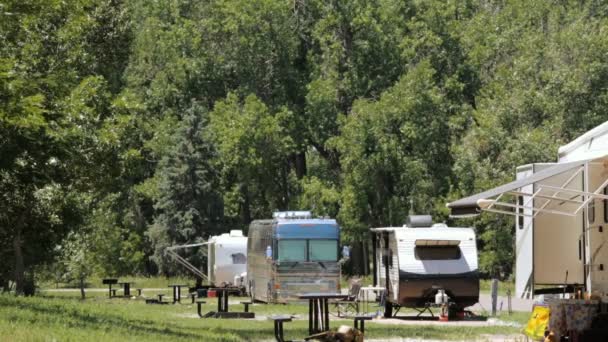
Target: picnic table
223 294
177 292
364 294
126 286
109 282
318 310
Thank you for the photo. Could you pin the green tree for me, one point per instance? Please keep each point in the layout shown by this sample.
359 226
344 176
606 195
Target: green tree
252 147
189 207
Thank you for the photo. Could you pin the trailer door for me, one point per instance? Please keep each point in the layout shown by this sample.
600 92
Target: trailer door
558 239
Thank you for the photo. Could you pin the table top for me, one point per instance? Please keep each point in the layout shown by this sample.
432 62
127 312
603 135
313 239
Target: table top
280 317
372 288
225 289
322 295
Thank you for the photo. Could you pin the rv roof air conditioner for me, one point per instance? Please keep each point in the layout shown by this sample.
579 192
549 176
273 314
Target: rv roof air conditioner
418 221
236 233
292 214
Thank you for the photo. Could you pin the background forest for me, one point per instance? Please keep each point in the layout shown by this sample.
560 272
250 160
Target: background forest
129 126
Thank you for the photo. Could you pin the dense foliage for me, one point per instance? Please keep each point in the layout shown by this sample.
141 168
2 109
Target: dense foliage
126 127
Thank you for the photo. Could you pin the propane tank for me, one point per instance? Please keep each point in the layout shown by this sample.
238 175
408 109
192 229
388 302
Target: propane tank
441 297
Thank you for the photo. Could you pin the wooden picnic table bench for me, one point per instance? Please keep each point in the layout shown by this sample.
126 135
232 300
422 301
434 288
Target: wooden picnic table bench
278 325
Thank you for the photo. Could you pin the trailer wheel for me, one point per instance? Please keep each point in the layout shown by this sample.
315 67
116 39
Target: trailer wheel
388 309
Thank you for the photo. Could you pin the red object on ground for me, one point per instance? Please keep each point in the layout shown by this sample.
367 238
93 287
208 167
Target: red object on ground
443 318
211 294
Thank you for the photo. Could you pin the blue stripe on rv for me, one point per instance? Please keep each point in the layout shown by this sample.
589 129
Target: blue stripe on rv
307 230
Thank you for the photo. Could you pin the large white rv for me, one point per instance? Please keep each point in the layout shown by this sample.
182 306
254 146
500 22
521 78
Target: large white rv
416 261
561 214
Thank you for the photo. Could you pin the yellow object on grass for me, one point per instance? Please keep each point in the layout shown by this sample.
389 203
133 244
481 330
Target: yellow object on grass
537 324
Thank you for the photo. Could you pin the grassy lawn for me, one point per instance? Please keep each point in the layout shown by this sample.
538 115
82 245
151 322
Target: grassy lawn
62 317
140 282
485 286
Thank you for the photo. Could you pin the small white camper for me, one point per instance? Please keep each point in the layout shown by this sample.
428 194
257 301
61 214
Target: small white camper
561 214
421 259
226 259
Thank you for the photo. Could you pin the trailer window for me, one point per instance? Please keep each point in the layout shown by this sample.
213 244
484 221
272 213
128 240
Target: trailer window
323 250
292 250
238 258
437 253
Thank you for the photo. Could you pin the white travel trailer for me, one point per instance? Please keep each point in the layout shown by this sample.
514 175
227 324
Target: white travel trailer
420 259
226 259
561 214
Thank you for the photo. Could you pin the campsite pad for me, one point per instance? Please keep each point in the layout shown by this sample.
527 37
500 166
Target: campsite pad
488 338
462 323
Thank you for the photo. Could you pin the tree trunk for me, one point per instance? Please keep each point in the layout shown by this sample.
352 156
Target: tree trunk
82 294
246 210
300 164
19 263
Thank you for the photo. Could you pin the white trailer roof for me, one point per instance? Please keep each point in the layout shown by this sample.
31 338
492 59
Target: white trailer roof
592 144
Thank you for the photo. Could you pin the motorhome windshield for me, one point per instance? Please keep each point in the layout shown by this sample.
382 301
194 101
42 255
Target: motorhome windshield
292 250
307 250
437 253
323 250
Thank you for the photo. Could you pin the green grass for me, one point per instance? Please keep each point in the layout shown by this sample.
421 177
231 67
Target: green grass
485 286
140 282
65 318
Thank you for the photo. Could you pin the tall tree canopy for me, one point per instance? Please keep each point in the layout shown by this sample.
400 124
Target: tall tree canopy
126 127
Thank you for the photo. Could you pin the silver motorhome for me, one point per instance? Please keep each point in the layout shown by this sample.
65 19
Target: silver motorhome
290 254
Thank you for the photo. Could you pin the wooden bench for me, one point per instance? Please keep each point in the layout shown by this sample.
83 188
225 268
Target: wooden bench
361 319
199 303
278 325
247 303
151 301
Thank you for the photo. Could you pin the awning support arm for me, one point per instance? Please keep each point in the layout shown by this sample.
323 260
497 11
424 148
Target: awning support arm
171 252
495 201
593 195
564 185
582 193
537 195
509 205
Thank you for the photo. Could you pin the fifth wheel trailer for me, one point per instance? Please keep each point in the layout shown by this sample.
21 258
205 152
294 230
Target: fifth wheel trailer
561 212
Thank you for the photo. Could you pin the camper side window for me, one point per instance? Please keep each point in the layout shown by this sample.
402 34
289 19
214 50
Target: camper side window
520 216
605 205
437 253
239 258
